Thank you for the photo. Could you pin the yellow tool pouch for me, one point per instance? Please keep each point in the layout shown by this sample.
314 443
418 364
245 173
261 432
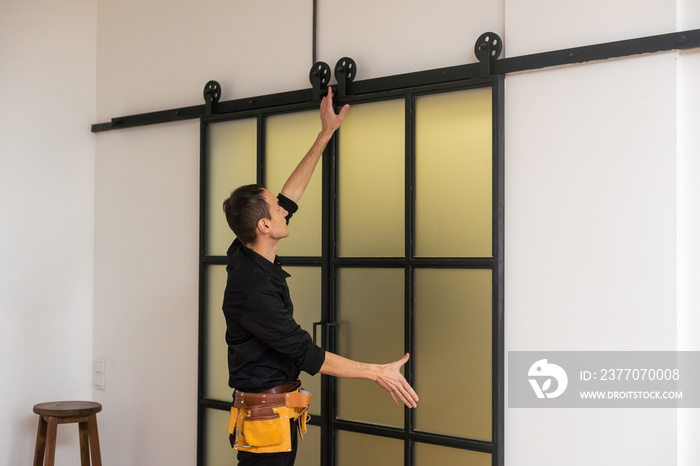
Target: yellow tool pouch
260 424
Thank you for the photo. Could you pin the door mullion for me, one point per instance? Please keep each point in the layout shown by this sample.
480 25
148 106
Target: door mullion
329 286
410 228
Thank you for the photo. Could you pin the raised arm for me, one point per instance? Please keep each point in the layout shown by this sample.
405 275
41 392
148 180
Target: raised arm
330 121
386 375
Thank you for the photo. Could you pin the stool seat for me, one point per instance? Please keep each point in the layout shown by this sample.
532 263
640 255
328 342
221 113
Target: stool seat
67 408
63 412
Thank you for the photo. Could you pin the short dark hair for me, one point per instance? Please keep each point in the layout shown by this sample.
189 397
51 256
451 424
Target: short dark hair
243 209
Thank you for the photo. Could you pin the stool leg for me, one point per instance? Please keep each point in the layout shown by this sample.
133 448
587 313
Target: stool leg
40 442
84 448
51 440
94 441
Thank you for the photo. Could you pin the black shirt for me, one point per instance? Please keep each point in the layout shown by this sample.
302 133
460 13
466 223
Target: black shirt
266 347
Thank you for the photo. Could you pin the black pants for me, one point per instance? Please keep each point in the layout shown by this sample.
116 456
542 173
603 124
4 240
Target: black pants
271 459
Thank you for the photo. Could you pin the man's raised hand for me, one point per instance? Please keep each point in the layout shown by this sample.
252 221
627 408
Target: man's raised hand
330 121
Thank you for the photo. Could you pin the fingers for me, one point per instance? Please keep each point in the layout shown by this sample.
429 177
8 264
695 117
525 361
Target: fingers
397 386
394 392
393 397
327 102
405 393
409 396
405 400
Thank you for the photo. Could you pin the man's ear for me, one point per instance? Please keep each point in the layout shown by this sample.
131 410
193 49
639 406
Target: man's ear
263 226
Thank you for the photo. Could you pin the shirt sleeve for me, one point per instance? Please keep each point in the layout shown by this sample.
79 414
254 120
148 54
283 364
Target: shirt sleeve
287 204
273 325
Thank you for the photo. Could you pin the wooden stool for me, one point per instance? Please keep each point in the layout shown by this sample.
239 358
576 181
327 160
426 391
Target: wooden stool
63 412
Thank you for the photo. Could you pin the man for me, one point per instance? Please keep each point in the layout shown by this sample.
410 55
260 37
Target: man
266 348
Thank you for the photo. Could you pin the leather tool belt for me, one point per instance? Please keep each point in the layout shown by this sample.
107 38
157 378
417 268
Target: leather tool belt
259 422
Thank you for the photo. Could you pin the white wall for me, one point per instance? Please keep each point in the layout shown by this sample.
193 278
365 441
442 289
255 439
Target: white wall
688 234
534 26
591 242
47 97
591 165
159 54
614 140
147 199
688 221
146 259
393 37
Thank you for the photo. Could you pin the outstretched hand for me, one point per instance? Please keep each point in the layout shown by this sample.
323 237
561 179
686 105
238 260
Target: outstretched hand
330 121
391 380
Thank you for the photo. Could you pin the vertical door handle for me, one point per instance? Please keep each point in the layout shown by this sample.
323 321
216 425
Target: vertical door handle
326 326
315 325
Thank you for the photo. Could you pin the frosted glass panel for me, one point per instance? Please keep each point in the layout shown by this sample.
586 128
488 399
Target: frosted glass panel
370 329
309 448
366 450
453 174
216 369
305 290
232 163
371 181
288 139
217 449
430 455
453 349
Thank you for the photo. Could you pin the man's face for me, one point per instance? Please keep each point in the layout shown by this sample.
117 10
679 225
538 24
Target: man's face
278 217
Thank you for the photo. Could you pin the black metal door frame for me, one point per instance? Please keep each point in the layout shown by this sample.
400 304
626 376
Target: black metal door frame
330 263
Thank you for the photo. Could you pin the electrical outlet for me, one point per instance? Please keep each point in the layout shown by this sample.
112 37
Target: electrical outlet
99 374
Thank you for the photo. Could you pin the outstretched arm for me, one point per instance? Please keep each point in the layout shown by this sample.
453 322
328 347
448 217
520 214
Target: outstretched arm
386 375
299 179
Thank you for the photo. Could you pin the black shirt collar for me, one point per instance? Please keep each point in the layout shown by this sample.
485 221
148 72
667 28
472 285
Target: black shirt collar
274 269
